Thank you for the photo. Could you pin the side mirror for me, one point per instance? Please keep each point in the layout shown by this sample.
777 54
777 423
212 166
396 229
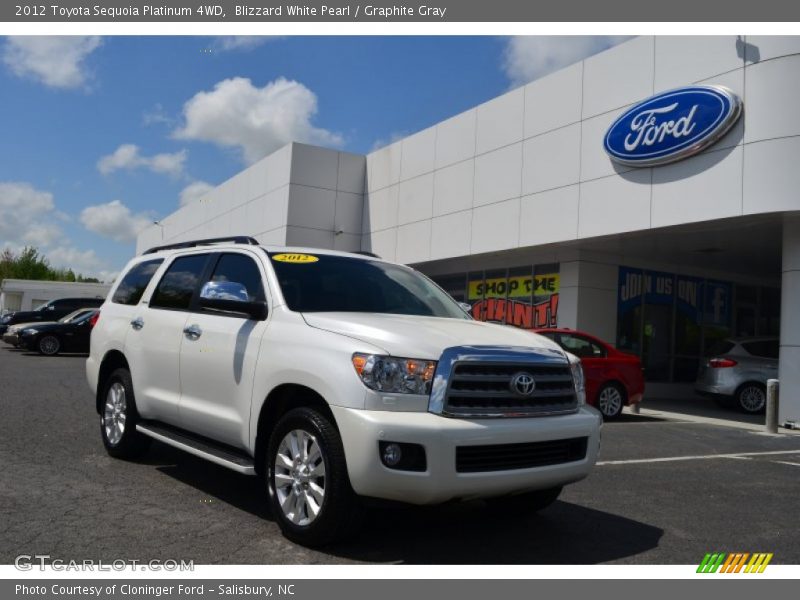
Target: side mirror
466 307
231 297
252 310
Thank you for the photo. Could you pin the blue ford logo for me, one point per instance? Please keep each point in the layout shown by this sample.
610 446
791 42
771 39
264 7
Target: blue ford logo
672 125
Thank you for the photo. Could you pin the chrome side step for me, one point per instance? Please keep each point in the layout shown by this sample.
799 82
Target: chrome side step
203 448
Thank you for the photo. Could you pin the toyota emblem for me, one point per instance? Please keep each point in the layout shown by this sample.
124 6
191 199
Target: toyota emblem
523 384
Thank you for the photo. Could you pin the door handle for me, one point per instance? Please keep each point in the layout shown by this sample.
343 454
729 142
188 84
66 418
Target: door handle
192 332
137 323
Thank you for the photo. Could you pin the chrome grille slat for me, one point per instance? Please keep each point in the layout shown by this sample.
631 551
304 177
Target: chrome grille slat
475 382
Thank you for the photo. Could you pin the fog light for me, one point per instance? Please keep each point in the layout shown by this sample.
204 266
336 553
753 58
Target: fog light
392 454
400 456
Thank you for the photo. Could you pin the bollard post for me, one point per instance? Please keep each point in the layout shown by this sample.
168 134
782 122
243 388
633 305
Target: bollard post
635 408
772 406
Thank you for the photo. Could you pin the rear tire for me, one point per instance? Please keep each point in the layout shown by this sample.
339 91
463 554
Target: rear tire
307 482
751 398
610 400
528 502
48 345
118 418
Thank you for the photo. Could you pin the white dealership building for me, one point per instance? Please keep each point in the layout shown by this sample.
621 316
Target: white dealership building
516 207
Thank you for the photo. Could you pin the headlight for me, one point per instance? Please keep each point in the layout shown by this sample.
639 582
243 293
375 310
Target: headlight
395 375
29 332
578 379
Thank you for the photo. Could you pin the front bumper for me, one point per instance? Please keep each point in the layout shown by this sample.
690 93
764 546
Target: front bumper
361 430
11 338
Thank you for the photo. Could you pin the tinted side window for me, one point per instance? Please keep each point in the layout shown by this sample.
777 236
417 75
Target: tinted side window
764 349
236 277
581 347
177 286
132 286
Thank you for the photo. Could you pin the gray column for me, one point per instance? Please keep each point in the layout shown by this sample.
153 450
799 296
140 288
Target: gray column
789 370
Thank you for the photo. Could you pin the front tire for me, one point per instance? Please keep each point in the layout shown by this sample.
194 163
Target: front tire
48 345
118 418
610 400
751 398
309 489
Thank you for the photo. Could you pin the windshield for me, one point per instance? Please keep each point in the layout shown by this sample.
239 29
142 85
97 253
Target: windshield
343 284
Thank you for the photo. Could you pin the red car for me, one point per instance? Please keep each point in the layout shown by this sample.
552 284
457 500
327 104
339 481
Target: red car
613 379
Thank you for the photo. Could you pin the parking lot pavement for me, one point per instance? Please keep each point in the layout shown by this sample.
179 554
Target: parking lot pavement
719 489
700 406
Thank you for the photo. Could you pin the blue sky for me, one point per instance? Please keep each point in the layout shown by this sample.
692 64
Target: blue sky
100 136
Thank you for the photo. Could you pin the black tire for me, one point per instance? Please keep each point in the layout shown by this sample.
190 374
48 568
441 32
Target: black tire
611 408
528 502
48 345
751 398
337 514
131 443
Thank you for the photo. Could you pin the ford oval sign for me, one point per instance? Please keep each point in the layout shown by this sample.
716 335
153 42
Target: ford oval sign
672 125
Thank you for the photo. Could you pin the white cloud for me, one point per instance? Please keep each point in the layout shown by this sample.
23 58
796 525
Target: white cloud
28 217
24 211
529 57
255 120
55 61
128 157
114 220
194 191
226 43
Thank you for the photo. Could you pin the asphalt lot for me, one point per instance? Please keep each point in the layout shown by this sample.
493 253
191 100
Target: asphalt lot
60 494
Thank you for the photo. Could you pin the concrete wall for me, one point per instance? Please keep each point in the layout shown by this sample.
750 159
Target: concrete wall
299 195
789 368
528 168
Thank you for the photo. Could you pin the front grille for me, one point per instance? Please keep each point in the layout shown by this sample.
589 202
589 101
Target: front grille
507 457
484 389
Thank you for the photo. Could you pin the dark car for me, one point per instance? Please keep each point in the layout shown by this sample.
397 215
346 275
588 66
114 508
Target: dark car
51 311
51 338
11 336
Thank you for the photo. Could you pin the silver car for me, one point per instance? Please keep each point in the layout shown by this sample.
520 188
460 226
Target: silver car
737 371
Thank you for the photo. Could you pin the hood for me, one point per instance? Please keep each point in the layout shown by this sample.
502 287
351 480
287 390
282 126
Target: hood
27 324
412 336
46 326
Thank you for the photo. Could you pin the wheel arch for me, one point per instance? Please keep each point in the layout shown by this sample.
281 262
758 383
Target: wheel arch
113 360
280 400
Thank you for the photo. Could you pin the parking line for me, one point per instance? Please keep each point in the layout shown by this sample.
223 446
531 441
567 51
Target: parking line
786 462
698 457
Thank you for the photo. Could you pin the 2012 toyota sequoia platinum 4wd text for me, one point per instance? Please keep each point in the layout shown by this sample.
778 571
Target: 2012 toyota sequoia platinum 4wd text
334 376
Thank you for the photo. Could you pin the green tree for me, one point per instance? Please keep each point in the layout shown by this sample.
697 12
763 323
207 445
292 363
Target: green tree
30 264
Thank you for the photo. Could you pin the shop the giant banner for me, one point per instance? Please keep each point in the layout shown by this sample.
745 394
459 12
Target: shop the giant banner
508 300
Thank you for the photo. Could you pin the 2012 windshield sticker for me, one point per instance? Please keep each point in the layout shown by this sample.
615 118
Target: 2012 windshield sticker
295 258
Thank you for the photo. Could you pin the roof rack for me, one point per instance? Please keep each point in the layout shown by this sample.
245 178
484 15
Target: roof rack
239 239
366 253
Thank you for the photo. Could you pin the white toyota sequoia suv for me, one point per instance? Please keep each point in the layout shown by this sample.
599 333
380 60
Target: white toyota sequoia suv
336 377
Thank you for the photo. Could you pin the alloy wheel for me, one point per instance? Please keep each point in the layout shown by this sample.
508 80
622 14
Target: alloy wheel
610 401
115 413
752 398
300 477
